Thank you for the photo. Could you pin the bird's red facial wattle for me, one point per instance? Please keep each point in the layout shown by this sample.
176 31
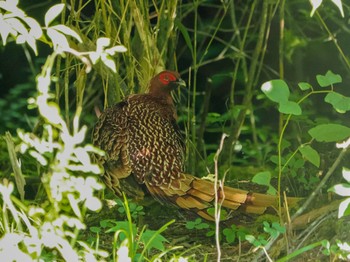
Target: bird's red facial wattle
166 77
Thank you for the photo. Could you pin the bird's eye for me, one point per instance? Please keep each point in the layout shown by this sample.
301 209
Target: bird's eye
166 77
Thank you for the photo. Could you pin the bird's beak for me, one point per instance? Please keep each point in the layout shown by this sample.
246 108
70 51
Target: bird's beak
181 83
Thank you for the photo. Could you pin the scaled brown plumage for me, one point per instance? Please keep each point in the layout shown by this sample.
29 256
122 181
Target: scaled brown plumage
143 145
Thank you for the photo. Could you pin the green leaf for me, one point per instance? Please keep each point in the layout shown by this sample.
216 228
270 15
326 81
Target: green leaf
185 35
310 154
290 108
262 178
304 86
328 79
230 235
276 90
339 102
329 132
153 240
95 229
52 13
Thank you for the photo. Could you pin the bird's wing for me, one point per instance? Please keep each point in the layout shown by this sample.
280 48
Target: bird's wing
111 135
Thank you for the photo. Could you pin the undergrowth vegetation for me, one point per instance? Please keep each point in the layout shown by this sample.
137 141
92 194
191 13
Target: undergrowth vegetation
260 113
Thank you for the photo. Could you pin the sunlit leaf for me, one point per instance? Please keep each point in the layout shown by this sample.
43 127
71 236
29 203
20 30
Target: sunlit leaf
344 208
109 62
58 39
346 174
329 132
6 30
101 43
67 31
315 5
52 13
338 3
341 189
116 49
310 154
35 29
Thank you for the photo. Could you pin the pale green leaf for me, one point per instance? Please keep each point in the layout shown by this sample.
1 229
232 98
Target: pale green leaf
289 107
310 154
339 102
52 13
262 178
328 79
329 132
304 86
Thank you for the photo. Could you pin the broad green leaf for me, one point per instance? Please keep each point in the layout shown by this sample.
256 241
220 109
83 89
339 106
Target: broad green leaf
289 108
310 154
328 79
339 102
329 132
304 86
262 178
276 90
152 239
52 13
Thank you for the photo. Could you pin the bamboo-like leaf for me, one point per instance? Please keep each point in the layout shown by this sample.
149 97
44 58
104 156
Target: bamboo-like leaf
19 178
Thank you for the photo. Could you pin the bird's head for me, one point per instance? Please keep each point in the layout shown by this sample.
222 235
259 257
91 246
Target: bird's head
166 81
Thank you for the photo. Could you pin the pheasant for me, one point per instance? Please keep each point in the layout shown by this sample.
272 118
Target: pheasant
144 146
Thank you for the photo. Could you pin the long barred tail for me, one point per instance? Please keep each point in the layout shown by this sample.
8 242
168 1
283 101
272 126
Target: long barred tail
198 195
